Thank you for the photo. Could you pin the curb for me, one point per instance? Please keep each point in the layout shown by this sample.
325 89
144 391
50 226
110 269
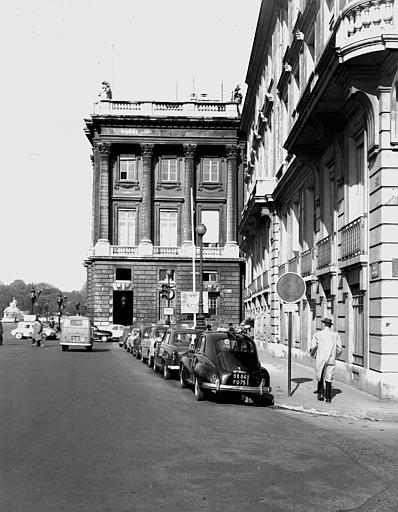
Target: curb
315 412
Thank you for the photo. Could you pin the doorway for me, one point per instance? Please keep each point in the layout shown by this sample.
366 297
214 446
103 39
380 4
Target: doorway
123 307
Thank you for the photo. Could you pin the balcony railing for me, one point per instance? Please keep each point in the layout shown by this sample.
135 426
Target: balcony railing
282 269
324 247
307 266
134 251
365 26
199 108
292 265
353 238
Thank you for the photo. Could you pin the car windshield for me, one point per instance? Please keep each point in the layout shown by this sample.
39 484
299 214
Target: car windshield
234 345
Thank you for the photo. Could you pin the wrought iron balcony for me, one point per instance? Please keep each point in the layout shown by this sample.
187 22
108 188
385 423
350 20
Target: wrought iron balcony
325 252
307 263
353 238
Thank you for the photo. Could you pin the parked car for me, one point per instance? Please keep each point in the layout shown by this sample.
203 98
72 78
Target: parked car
116 330
225 362
123 338
150 336
76 332
176 341
100 334
25 330
134 342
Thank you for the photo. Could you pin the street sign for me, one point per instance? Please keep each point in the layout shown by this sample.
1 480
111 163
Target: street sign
190 302
290 287
168 311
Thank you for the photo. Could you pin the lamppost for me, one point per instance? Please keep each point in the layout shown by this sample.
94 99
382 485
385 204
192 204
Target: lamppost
47 311
77 306
85 309
60 301
200 318
32 298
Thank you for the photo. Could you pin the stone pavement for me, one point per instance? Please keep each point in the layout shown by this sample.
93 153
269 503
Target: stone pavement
347 401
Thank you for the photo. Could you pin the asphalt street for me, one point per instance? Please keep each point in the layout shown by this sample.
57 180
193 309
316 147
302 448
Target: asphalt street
100 431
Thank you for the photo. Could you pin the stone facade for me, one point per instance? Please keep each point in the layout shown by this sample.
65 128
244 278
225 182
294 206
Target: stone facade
321 181
160 168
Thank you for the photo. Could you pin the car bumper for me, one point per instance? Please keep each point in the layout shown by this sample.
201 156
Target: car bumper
173 367
74 344
244 390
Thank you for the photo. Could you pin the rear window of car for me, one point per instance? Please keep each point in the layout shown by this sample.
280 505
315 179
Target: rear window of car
184 338
234 345
78 322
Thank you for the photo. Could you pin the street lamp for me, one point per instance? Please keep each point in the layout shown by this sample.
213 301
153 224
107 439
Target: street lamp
200 319
60 302
85 309
32 298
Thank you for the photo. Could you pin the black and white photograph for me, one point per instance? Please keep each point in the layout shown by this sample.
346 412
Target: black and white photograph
199 258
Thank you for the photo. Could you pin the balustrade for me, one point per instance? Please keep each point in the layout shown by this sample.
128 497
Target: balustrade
120 250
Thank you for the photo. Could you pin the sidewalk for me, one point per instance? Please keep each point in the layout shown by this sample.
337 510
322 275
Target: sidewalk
347 402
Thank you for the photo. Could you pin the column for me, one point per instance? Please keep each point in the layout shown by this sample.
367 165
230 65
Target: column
145 231
189 154
105 151
232 165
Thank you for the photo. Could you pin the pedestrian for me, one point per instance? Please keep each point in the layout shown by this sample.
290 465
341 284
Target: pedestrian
37 332
1 333
325 347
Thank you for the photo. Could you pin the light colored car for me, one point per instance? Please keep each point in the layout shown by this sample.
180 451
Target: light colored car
116 330
25 330
149 338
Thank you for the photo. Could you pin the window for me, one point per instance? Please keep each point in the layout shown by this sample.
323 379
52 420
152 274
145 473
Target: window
123 274
211 219
127 168
210 277
126 227
168 228
212 304
211 170
163 275
168 170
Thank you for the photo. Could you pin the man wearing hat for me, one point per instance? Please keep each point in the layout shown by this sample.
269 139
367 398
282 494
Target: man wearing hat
325 347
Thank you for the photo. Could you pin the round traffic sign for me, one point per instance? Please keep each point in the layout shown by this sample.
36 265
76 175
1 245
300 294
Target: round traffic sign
290 287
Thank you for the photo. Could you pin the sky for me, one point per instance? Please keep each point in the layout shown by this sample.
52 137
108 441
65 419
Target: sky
55 55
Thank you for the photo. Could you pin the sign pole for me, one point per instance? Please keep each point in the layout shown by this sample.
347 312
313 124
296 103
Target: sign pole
289 353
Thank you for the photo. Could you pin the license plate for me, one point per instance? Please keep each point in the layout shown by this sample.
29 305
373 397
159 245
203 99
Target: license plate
239 379
75 338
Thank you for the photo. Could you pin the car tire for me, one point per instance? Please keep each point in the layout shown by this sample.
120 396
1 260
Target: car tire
104 339
89 348
44 336
150 362
18 335
64 348
183 382
154 366
199 393
137 354
166 371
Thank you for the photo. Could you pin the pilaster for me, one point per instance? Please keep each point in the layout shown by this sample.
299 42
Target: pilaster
232 166
105 151
145 228
189 154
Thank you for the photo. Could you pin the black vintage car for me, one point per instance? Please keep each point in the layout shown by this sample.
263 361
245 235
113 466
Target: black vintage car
225 362
101 334
167 352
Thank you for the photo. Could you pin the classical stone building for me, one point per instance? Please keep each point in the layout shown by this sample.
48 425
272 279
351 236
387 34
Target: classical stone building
321 180
160 168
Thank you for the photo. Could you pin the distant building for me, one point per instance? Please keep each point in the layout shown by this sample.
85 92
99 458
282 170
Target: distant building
321 167
153 164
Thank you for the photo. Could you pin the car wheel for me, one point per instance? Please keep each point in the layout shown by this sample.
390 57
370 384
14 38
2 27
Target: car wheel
18 335
154 366
137 354
199 393
104 339
64 347
150 361
44 336
166 371
89 348
183 382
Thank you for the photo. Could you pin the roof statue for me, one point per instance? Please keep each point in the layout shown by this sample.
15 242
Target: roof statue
106 91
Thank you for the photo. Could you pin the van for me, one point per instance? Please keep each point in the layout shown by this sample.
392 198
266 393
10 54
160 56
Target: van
76 332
